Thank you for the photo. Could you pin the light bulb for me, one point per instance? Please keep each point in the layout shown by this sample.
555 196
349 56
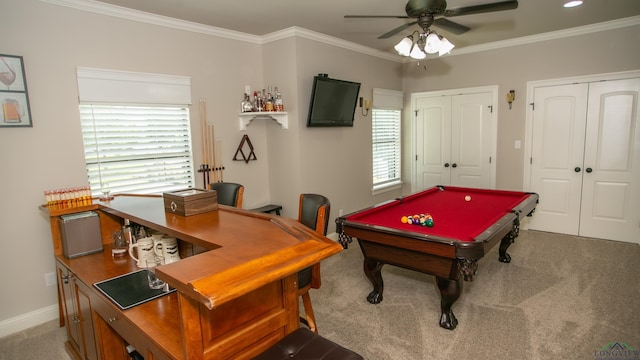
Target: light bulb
433 44
445 47
417 54
404 46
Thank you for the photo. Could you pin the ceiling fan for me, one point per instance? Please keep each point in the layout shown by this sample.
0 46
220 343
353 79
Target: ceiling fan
428 12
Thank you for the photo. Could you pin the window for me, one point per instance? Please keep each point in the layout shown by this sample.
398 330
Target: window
137 149
135 130
386 139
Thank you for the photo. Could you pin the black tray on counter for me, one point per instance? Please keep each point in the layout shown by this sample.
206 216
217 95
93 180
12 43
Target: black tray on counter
130 289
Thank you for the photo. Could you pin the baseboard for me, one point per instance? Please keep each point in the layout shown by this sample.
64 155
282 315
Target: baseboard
28 320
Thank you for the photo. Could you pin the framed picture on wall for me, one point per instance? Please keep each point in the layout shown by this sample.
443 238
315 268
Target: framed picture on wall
14 97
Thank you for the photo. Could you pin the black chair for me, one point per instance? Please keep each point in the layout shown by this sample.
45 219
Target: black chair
228 193
303 344
313 212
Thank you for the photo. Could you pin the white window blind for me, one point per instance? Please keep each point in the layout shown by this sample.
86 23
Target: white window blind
137 149
386 138
135 128
386 147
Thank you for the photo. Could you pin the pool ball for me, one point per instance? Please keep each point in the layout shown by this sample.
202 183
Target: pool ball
467 198
429 222
404 219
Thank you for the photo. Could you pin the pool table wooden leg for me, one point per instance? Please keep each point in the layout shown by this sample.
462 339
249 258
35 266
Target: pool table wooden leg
450 291
372 269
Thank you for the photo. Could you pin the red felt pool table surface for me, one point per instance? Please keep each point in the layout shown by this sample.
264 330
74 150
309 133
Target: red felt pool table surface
454 217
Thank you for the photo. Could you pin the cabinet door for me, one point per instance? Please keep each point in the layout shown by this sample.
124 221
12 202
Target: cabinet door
72 320
83 300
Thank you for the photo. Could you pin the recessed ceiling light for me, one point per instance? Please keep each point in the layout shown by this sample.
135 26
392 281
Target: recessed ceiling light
573 3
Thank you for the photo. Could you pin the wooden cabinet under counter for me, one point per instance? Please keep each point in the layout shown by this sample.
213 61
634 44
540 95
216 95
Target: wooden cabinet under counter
232 301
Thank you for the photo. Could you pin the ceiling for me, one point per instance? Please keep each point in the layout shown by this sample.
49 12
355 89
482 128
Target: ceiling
327 17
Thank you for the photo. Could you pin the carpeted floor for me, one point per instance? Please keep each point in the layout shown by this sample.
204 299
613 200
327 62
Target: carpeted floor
561 297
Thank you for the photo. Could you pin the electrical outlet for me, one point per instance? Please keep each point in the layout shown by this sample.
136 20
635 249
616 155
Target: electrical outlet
50 279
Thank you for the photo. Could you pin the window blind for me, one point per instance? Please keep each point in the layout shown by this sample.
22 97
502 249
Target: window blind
137 148
386 147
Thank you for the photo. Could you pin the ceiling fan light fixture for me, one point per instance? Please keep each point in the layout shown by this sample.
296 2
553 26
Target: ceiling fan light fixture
572 3
432 44
404 46
445 47
417 54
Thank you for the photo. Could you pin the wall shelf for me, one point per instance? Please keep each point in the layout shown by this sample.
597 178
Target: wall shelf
279 117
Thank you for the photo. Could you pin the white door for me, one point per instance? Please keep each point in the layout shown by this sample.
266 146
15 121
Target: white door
455 140
472 140
557 151
611 185
585 159
433 140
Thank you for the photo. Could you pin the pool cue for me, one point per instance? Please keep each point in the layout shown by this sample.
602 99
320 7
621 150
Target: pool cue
204 167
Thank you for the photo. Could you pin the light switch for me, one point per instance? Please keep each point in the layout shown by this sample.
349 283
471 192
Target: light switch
518 144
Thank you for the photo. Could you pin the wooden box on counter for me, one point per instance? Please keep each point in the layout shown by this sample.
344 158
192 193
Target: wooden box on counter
190 201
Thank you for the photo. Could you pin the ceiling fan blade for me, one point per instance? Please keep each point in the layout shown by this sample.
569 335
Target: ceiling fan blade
484 8
450 26
376 17
397 30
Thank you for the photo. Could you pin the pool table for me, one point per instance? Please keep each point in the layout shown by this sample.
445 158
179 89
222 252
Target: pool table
467 223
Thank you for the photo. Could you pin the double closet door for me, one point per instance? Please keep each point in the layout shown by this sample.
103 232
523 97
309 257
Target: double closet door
455 139
585 159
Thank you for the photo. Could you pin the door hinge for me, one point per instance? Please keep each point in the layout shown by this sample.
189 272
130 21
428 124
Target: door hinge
490 108
531 160
416 157
533 106
489 159
416 111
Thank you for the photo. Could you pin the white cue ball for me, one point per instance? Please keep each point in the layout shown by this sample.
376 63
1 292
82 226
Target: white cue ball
467 198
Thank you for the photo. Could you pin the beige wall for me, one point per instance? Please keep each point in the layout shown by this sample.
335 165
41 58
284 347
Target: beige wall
511 68
55 40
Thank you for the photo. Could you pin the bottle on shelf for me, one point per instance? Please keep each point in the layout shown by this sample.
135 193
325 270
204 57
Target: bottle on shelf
268 103
277 102
246 105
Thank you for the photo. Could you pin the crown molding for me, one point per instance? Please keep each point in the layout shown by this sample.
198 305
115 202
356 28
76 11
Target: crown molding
141 16
552 35
145 17
296 31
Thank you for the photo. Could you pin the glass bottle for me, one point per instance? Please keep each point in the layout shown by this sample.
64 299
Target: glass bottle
268 103
277 102
246 105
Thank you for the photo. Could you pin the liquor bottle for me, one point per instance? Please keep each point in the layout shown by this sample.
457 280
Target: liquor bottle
246 105
259 102
277 102
127 233
268 103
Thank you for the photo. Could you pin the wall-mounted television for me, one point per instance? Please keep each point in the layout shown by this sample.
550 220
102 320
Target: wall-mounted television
333 102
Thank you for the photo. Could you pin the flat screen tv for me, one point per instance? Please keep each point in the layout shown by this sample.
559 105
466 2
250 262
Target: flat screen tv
333 102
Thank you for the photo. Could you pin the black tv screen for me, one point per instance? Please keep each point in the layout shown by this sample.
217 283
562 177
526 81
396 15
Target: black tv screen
333 102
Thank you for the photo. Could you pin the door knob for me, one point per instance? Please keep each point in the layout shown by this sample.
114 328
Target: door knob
446 164
454 165
589 170
577 169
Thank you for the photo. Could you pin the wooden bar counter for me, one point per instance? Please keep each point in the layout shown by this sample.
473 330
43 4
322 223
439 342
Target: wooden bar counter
235 297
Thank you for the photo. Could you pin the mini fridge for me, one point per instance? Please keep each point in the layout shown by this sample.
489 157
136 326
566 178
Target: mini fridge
80 234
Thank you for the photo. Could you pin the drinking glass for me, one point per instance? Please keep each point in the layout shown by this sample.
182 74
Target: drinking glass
119 246
154 282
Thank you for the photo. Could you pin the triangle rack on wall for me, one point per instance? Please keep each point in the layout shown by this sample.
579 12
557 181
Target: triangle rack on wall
251 156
